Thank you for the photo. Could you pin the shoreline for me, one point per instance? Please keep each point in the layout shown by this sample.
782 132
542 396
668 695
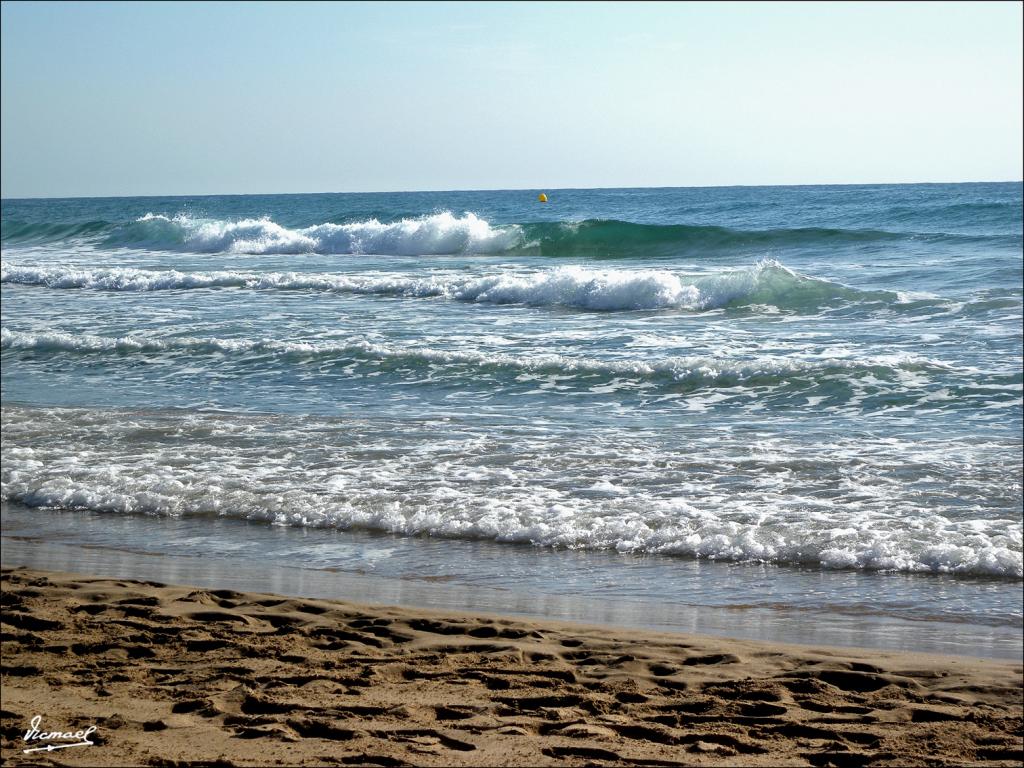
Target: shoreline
706 598
835 629
177 673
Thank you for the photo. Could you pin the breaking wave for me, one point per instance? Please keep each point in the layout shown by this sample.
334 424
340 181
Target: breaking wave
446 233
767 283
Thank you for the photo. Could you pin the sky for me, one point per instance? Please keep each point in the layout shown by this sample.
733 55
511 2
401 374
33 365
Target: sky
190 98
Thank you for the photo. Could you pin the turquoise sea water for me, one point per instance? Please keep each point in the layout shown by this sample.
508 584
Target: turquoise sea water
815 380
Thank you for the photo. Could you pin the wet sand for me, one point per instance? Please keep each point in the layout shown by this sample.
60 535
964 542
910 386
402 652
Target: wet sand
175 674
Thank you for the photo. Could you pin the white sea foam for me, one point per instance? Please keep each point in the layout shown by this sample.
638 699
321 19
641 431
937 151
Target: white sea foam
696 370
724 498
767 282
440 233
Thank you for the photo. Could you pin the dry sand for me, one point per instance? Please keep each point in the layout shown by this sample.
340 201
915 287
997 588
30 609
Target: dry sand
174 675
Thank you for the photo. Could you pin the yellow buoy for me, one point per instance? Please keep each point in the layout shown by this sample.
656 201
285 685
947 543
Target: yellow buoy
542 198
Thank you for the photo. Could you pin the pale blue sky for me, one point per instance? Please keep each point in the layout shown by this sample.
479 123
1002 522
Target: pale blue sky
210 98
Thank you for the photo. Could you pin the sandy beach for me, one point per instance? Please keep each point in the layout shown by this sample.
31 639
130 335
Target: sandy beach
171 675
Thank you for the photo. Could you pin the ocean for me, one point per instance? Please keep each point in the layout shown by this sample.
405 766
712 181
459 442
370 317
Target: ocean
725 409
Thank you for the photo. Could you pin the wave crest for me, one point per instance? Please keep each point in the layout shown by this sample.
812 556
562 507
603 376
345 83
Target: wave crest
445 233
767 283
441 233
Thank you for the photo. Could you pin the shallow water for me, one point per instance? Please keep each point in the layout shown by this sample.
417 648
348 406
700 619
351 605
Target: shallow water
754 601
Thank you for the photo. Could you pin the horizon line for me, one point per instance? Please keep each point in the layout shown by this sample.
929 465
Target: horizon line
509 189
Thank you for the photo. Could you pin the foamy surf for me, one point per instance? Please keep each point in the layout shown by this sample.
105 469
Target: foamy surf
760 502
848 380
440 233
767 283
709 371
